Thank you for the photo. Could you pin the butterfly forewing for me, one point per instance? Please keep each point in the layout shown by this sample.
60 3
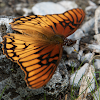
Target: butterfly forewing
39 62
39 48
64 24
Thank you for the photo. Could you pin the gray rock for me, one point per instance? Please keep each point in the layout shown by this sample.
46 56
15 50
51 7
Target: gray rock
44 8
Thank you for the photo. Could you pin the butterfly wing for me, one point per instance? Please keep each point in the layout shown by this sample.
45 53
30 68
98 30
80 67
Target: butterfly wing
39 62
64 24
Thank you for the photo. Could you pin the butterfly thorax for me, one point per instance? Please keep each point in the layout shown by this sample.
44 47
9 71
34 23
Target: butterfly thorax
56 39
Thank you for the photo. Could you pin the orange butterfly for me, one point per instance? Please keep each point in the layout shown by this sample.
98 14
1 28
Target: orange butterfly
38 49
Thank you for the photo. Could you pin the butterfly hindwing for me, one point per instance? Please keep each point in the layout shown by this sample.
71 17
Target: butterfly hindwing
38 62
41 65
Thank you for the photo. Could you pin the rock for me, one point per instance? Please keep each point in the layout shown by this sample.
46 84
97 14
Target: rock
22 9
68 4
26 11
44 8
94 47
47 8
96 94
97 63
4 22
91 6
77 77
86 57
87 26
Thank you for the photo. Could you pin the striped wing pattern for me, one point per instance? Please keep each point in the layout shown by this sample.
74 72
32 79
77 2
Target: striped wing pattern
64 24
38 49
39 69
38 62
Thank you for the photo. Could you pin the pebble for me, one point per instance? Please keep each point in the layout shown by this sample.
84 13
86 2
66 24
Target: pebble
44 8
94 47
97 63
77 76
96 94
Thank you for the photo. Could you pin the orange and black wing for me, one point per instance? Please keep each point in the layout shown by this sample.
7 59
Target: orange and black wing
64 24
38 62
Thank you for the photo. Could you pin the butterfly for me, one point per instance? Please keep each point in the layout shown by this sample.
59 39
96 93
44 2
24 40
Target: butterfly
37 47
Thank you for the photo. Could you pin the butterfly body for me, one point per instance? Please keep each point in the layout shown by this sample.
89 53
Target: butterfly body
38 48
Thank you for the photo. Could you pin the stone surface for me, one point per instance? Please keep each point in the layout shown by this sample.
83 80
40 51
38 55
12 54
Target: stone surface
53 8
97 63
94 47
47 8
97 95
77 77
86 57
